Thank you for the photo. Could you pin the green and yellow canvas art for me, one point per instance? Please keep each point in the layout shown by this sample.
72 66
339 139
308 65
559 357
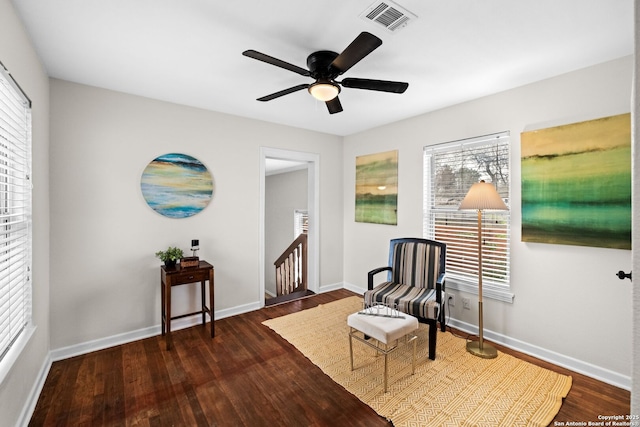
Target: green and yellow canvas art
576 183
377 188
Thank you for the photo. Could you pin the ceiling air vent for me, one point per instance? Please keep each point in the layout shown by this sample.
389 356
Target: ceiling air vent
388 14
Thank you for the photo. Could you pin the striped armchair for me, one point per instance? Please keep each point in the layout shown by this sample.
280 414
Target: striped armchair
415 283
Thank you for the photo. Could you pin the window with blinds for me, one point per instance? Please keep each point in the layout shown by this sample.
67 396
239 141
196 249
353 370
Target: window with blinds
15 212
449 171
300 222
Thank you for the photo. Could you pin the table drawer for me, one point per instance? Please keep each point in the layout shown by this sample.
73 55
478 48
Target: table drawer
189 277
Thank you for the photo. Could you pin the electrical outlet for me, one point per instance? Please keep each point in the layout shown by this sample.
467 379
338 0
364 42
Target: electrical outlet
452 300
465 304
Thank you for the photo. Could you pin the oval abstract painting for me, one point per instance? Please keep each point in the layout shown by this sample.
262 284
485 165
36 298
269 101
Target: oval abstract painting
176 185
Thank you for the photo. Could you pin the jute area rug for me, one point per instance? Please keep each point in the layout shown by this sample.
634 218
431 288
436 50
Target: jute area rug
457 389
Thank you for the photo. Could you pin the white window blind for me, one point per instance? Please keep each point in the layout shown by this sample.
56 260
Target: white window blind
15 212
300 222
449 171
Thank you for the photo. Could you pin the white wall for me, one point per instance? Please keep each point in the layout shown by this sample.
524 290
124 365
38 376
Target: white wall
104 277
284 193
569 306
18 55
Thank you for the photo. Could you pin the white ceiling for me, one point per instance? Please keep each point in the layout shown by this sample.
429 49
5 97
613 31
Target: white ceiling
190 52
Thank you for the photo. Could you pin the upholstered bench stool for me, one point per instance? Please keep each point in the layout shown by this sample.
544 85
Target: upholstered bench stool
385 325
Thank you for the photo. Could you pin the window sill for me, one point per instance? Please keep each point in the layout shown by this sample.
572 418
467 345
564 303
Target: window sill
14 352
499 293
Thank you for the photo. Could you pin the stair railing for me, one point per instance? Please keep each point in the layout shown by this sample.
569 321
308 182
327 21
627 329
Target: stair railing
291 267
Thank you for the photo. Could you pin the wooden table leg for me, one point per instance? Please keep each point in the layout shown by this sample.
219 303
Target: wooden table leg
203 301
167 299
163 312
211 305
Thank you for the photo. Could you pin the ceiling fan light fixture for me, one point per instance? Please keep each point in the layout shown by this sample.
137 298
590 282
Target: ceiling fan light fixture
324 66
324 90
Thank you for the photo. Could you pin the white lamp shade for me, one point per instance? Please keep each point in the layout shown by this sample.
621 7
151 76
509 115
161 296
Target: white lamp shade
482 195
324 91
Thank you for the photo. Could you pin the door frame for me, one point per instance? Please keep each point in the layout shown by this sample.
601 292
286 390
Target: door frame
313 207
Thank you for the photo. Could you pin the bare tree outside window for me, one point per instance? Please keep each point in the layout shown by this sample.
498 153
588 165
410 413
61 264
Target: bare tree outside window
450 170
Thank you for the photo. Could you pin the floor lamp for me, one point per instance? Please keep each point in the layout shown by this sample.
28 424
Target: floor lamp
481 196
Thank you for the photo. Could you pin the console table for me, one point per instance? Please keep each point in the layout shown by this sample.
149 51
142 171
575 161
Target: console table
178 275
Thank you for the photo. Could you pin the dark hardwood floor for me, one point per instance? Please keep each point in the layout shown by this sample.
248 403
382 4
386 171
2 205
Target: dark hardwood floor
246 376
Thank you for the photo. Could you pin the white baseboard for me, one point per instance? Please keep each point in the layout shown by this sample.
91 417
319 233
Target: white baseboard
106 342
127 337
221 314
187 322
331 287
601 374
353 288
34 394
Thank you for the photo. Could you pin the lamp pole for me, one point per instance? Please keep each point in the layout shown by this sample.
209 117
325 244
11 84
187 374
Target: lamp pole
480 325
478 348
481 196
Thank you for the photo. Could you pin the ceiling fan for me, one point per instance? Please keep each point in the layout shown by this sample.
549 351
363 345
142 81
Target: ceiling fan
325 66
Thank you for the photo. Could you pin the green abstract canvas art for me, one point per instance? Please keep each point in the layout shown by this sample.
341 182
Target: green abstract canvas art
377 188
576 183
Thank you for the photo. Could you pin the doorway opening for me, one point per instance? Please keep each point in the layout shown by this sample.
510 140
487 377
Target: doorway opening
289 210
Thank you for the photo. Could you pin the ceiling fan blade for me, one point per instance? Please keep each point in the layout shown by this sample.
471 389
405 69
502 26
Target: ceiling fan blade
379 85
283 92
362 46
334 105
275 61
